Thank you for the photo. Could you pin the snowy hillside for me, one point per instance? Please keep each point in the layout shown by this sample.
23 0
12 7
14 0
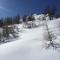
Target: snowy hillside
31 43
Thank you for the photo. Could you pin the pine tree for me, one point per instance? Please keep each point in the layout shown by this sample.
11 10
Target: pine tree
51 11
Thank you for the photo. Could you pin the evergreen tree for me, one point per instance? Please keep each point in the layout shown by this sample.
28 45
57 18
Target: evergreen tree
1 22
17 19
24 18
51 11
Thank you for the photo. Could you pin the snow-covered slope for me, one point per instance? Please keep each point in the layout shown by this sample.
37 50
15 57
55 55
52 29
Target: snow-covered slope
30 45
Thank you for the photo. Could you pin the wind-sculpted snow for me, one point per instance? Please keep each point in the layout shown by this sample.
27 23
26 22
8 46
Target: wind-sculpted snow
31 44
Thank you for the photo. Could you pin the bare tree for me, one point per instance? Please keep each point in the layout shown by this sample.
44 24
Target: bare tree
51 37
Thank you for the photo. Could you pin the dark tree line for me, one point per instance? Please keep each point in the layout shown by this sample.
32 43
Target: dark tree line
10 20
51 11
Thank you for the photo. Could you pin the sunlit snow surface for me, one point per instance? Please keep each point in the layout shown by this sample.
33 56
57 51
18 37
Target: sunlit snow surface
30 44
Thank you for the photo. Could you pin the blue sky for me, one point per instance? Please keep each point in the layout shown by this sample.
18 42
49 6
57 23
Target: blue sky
12 7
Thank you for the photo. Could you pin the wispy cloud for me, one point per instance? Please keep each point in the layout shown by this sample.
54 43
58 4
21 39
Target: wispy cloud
3 8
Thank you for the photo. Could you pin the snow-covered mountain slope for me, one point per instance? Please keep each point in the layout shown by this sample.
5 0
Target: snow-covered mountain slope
31 44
